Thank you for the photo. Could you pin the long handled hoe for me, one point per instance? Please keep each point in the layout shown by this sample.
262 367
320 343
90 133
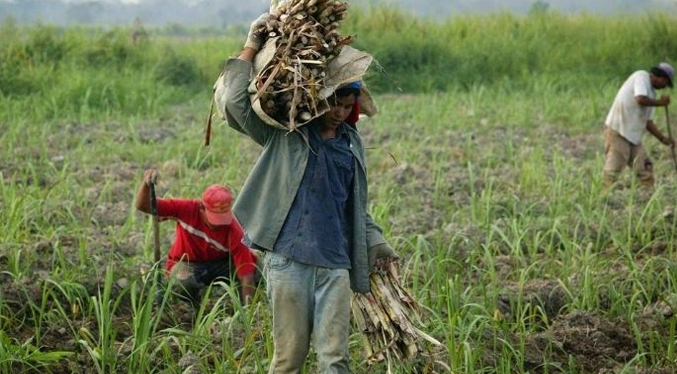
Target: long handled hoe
672 149
156 230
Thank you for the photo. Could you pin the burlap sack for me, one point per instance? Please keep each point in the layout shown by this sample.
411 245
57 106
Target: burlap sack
349 66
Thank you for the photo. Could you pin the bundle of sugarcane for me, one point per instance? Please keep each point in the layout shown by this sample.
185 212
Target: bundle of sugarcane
387 319
306 37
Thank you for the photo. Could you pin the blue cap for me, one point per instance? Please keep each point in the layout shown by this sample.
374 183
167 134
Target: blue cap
354 85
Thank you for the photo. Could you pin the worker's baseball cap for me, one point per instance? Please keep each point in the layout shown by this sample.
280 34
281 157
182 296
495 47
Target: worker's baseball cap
217 201
668 70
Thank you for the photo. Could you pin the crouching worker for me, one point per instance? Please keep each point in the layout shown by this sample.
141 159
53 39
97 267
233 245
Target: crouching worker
305 205
208 245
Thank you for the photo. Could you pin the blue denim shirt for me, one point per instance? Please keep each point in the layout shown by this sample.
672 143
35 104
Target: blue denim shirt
315 230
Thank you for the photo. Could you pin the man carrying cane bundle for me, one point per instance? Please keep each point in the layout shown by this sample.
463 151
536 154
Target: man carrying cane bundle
631 115
305 205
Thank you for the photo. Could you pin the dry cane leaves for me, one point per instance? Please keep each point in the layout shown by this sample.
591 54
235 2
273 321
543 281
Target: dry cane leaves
308 38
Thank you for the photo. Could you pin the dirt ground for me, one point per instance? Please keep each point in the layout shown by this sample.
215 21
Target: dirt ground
587 341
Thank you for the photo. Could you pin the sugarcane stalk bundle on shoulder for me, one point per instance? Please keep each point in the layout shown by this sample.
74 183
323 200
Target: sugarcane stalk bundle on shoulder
302 60
387 318
305 37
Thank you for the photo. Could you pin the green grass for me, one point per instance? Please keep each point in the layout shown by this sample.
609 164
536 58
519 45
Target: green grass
485 175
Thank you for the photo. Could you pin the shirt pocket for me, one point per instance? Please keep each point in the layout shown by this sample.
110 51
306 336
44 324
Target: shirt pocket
344 161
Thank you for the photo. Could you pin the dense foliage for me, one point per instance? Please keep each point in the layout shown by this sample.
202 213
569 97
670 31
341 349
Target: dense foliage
420 55
80 70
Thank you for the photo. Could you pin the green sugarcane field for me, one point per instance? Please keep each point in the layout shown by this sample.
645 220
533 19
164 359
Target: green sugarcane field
532 230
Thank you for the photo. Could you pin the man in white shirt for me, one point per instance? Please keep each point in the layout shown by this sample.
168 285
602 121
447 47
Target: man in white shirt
631 115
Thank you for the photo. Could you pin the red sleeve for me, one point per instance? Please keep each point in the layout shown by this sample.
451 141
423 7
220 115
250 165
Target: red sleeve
244 258
174 208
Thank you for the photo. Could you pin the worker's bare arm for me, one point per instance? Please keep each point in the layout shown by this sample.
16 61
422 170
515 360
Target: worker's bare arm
653 130
142 202
647 101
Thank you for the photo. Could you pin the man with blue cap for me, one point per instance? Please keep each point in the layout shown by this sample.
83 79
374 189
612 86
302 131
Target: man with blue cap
631 115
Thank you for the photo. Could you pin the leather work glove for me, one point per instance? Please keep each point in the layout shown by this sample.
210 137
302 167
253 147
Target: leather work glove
381 255
256 36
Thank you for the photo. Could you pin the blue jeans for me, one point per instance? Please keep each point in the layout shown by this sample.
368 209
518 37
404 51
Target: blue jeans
308 300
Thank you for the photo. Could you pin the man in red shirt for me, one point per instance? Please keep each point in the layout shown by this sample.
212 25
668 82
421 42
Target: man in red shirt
208 242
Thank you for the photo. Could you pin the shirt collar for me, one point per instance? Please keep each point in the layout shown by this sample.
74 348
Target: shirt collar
341 132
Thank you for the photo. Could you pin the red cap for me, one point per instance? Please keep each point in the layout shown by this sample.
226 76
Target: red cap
217 201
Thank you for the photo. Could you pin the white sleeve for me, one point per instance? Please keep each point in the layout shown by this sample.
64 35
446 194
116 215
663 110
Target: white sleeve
642 85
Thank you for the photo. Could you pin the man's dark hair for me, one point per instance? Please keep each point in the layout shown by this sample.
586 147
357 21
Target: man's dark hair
659 72
346 91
